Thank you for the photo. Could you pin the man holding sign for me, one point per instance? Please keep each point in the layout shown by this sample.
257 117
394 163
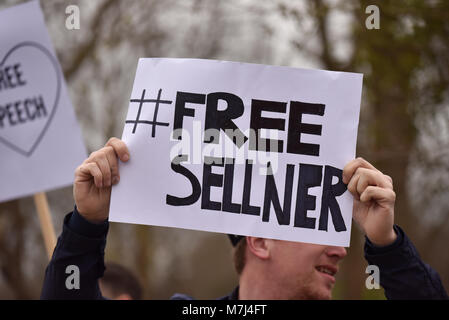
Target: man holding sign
260 151
269 269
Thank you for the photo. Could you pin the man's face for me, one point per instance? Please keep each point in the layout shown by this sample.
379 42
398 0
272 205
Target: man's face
306 271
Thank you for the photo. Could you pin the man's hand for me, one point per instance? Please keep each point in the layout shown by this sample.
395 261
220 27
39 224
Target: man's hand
373 200
94 179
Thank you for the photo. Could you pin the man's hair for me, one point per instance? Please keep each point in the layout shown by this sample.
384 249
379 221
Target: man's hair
118 280
239 255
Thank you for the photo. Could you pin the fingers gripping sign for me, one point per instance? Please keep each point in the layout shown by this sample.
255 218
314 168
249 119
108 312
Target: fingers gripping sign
99 159
94 179
120 148
374 200
363 178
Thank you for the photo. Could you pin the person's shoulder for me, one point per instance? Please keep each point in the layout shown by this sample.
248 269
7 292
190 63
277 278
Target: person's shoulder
181 296
234 295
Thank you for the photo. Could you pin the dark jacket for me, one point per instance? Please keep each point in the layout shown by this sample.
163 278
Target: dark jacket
403 274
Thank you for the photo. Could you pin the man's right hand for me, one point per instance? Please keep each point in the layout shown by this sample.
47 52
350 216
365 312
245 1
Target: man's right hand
94 179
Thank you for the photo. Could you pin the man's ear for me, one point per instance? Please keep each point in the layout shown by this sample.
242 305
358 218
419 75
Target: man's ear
260 247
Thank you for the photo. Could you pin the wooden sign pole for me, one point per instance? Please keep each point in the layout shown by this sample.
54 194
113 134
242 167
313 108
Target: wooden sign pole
48 231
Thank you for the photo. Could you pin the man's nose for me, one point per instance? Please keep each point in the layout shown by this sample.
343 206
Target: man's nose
334 251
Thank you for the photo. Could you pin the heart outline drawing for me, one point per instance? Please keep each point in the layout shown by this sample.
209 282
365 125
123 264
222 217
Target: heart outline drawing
55 105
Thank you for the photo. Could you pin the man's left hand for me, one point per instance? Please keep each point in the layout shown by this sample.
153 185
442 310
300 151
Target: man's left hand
374 200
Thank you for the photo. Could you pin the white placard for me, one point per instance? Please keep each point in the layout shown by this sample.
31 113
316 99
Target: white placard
311 116
40 141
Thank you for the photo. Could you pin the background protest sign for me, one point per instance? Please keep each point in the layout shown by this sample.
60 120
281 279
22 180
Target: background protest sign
239 148
40 141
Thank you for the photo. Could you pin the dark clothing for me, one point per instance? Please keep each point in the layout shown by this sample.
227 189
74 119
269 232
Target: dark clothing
82 244
234 295
403 274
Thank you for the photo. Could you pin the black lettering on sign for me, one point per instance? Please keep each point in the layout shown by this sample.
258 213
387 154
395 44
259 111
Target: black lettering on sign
28 105
271 196
211 180
11 77
258 122
222 119
180 109
247 208
328 201
228 206
296 127
309 176
19 112
196 187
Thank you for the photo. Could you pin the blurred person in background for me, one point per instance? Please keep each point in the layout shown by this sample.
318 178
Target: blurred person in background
119 283
268 269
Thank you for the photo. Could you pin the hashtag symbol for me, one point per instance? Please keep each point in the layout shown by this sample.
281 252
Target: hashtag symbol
154 123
